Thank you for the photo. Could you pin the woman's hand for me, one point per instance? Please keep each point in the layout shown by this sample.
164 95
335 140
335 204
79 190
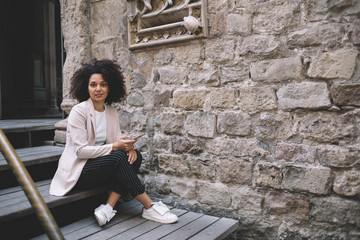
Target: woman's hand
123 145
132 156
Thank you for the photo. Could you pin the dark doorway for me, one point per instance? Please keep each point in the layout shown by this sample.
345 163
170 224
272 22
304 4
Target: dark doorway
30 59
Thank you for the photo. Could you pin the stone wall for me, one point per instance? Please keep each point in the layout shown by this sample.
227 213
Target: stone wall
258 122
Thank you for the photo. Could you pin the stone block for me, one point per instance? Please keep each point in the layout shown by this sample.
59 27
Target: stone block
338 156
347 183
125 120
161 143
135 99
202 167
257 99
308 95
222 98
346 94
186 145
201 124
214 194
246 200
173 165
258 44
276 16
231 74
239 23
336 64
291 152
276 70
184 188
233 171
267 174
327 126
162 99
220 51
171 75
138 80
335 210
272 127
280 203
189 53
355 32
234 123
317 34
172 123
162 184
208 77
60 136
189 99
311 179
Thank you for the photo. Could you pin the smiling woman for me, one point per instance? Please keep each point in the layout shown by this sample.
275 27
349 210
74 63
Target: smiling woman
95 153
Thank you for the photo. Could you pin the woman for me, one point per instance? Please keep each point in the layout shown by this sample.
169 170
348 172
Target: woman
95 153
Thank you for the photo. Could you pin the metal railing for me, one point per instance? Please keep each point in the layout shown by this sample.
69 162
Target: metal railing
32 193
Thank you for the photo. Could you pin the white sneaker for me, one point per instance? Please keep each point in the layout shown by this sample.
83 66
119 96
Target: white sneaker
104 213
159 213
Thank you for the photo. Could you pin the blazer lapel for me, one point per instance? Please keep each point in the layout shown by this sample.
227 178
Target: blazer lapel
91 112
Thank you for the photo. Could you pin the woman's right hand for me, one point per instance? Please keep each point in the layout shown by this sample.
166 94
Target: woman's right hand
123 145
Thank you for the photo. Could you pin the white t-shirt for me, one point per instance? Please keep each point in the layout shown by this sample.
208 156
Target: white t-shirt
100 121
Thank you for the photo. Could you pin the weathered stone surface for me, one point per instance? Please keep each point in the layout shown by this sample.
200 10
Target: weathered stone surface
202 167
162 184
190 53
163 57
239 23
125 121
220 51
355 32
336 156
162 99
346 94
347 183
183 188
247 200
214 194
161 143
189 99
60 136
317 34
229 75
258 44
138 80
291 152
309 95
135 99
276 70
234 123
335 64
173 164
279 203
210 78
327 127
311 179
267 174
256 99
266 21
233 171
201 124
274 126
186 145
172 123
244 148
335 210
171 75
222 98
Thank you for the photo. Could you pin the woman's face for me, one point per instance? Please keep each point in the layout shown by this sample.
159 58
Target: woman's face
98 88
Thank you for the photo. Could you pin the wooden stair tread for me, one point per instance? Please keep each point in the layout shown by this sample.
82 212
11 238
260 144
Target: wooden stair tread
14 203
34 155
27 125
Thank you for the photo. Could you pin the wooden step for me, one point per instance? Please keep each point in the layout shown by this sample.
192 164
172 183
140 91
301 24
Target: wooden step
14 204
34 155
128 224
27 125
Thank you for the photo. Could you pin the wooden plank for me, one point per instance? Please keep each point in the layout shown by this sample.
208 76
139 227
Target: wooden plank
34 155
27 125
164 230
16 189
94 228
218 230
147 226
191 229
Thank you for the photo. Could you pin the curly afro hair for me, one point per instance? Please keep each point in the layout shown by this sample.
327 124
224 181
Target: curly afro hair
111 73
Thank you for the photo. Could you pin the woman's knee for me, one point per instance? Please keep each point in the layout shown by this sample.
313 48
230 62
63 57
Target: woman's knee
119 157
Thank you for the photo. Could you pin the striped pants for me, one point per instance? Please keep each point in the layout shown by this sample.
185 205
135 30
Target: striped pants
113 170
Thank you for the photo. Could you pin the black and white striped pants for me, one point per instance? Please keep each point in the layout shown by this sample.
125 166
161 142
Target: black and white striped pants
113 169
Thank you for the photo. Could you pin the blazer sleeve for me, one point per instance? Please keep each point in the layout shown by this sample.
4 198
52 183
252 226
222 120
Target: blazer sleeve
78 134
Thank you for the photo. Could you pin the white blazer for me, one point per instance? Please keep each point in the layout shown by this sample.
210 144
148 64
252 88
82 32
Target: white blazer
80 140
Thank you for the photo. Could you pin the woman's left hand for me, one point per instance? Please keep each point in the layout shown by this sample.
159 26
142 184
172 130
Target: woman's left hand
132 156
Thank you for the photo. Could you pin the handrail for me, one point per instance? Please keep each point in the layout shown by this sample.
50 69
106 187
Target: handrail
32 193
